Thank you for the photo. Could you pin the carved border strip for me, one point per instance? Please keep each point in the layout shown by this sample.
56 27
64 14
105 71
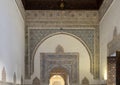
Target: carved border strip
61 18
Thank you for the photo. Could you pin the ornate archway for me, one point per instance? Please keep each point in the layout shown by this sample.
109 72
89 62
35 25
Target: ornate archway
69 34
88 37
57 80
59 63
60 74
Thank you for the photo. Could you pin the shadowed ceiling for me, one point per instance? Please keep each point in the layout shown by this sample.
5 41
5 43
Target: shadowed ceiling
62 4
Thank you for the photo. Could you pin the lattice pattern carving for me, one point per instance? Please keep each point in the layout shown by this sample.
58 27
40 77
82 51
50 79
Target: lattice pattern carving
111 71
118 68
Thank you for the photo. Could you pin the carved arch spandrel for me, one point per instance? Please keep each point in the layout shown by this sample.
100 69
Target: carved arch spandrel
69 34
91 53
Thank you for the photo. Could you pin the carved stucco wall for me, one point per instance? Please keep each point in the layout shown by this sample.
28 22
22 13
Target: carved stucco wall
71 45
41 18
82 24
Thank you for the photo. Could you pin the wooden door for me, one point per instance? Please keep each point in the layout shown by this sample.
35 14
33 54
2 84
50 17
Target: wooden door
118 68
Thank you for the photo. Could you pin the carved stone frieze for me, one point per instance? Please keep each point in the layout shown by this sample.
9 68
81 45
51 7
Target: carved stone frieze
61 18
